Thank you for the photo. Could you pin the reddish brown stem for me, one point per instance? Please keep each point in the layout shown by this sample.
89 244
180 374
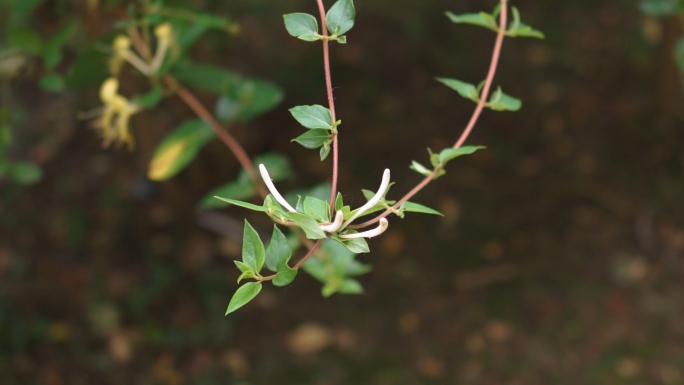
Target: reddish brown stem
308 255
503 17
234 146
331 102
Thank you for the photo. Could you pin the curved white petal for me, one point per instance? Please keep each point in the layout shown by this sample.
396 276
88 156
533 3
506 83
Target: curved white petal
272 189
335 225
382 226
374 200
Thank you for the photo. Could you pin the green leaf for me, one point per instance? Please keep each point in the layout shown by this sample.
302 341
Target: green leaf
52 55
450 153
466 90
342 39
317 208
178 149
285 277
238 190
25 173
315 116
339 202
355 245
243 295
52 83
302 26
525 31
419 168
247 99
500 101
207 77
350 286
90 67
246 205
278 250
481 19
324 151
246 271
253 252
313 139
340 17
149 99
308 224
417 208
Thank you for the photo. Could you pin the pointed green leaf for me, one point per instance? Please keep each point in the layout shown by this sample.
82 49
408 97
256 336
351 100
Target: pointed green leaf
466 90
253 253
245 269
339 202
243 295
340 17
525 31
313 139
355 245
417 208
238 190
481 19
317 209
450 153
325 150
278 250
315 116
308 224
285 277
419 168
302 26
500 101
178 149
246 205
342 39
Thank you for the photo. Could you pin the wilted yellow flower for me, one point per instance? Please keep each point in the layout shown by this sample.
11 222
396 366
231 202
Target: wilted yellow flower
116 114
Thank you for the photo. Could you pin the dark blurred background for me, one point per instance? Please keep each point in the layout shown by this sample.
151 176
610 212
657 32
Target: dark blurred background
559 260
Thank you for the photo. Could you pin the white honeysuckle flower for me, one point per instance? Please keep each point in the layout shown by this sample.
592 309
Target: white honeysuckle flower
384 185
338 224
335 225
272 189
382 226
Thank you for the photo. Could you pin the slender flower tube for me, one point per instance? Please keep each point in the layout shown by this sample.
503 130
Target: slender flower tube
384 185
335 225
164 34
382 226
272 189
122 52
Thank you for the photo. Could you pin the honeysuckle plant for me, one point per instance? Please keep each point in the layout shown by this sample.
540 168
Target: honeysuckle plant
325 221
330 232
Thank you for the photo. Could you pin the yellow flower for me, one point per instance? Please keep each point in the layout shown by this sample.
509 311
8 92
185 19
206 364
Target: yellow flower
116 114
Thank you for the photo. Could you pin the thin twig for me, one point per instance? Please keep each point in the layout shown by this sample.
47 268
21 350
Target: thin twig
308 255
503 17
234 146
331 103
